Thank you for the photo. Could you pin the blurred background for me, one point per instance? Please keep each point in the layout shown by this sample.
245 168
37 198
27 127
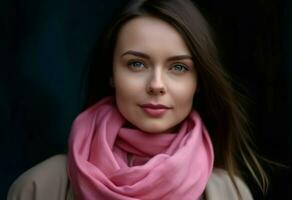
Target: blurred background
44 47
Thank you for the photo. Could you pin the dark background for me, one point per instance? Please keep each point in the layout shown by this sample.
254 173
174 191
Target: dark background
44 46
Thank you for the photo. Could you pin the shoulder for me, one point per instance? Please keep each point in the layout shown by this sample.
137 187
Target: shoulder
47 179
220 187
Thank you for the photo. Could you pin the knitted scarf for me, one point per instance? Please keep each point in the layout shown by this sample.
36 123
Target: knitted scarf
164 166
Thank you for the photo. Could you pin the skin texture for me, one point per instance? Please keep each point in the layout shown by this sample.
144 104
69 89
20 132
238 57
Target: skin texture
144 73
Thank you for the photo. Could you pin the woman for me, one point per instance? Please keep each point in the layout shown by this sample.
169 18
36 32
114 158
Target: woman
172 127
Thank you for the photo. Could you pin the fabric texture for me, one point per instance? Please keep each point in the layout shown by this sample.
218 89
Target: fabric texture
48 180
166 166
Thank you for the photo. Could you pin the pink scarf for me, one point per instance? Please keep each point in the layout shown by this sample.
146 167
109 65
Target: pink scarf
168 166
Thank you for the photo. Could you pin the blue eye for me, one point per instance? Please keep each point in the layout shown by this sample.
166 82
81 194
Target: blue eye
136 65
179 68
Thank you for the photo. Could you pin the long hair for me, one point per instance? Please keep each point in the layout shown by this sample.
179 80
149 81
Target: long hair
218 103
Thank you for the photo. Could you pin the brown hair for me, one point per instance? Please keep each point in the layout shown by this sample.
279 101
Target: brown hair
218 103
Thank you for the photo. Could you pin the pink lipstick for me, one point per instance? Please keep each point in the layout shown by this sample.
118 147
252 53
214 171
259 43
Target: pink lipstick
155 110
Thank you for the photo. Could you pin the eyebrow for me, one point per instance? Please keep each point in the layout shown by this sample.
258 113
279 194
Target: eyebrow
143 55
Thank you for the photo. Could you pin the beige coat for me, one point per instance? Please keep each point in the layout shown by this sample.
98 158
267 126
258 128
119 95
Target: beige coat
49 181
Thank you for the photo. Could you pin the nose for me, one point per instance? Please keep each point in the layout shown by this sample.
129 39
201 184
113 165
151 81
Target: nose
156 84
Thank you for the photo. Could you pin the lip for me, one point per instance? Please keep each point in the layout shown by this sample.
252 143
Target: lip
155 110
154 106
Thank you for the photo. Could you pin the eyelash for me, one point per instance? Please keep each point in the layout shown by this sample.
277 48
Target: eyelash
131 63
184 68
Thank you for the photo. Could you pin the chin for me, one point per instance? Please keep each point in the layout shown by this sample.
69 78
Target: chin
151 129
157 130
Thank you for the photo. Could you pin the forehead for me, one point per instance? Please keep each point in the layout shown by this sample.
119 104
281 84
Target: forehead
150 32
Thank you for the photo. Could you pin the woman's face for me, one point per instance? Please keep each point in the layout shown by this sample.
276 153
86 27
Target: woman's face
153 75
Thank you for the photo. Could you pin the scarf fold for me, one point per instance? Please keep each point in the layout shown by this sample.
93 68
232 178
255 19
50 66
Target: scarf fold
166 166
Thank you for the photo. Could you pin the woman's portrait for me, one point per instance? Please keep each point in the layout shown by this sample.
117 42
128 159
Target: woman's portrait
157 100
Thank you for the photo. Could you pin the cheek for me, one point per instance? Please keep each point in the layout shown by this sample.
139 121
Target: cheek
184 92
126 85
